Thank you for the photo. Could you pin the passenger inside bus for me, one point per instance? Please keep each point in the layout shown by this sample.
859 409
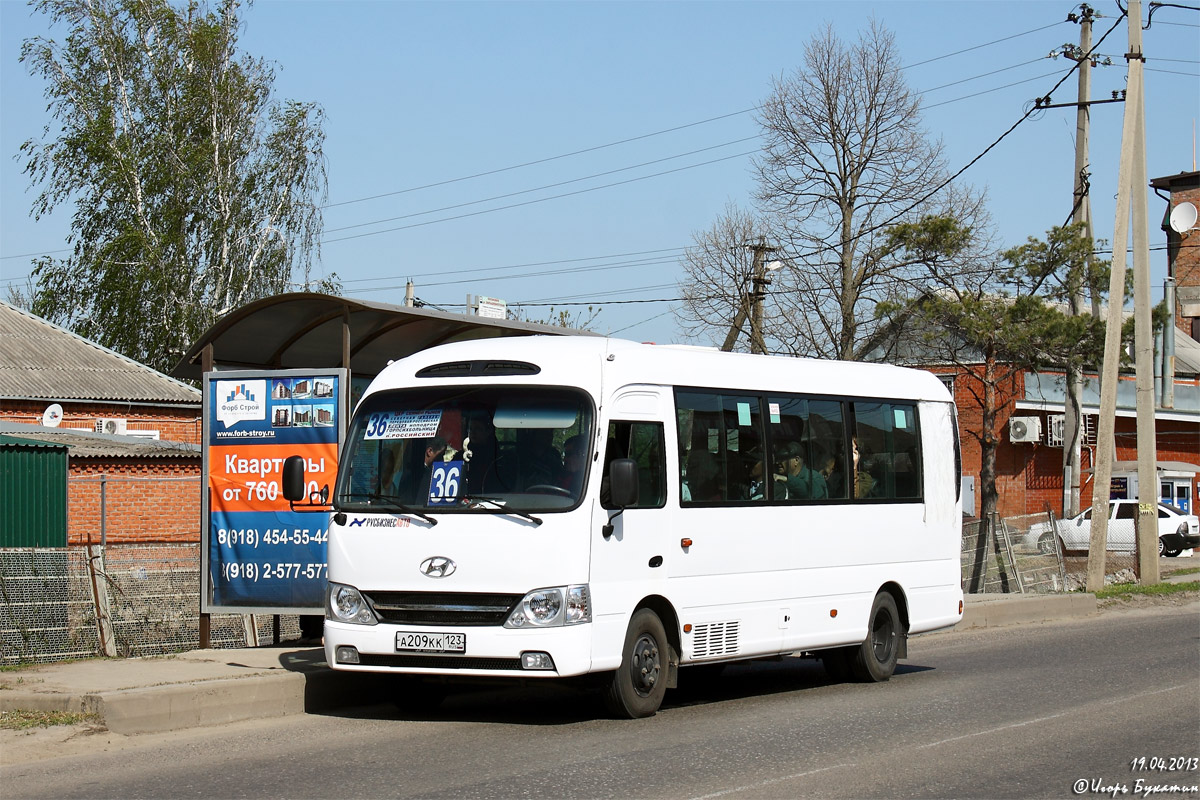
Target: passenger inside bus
803 482
574 464
414 484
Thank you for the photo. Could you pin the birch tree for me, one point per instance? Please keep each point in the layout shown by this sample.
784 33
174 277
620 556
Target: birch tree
193 190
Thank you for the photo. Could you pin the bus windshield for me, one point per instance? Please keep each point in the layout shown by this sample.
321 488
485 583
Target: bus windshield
498 449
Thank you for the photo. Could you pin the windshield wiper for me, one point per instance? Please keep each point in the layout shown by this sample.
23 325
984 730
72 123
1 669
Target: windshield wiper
392 504
502 505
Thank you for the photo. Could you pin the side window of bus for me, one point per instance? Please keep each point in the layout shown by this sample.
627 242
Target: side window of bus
889 453
721 448
808 449
644 443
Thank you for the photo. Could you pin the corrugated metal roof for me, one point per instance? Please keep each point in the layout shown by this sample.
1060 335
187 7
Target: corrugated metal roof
84 444
41 361
305 330
15 441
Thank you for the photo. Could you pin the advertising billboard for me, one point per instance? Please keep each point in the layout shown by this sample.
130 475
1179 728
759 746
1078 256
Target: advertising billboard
259 556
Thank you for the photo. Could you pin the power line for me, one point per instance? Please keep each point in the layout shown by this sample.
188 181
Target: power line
1172 72
541 199
523 266
540 188
984 75
989 91
979 46
1028 113
547 159
544 273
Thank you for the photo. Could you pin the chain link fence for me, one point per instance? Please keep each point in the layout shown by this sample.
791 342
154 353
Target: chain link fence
116 599
1038 553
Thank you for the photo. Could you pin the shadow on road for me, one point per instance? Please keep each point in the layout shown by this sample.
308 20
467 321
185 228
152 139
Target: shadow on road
570 703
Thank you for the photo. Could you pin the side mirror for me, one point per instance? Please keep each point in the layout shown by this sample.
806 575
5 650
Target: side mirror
293 479
294 487
623 482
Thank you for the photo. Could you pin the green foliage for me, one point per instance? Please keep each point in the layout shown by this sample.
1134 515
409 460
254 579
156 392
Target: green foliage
1019 316
23 720
1154 589
193 191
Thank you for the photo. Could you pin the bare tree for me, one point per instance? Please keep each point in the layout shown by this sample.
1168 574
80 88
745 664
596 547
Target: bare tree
717 273
844 157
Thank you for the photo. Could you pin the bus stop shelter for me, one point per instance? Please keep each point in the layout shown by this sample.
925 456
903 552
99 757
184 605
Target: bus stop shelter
310 330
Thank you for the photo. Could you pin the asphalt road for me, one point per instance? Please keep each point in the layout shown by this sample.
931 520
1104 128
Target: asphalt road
1026 711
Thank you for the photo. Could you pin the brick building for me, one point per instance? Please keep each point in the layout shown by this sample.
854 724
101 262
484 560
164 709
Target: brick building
1028 431
132 434
1183 248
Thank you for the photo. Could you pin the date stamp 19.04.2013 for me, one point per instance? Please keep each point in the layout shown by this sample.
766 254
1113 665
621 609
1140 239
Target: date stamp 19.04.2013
1151 776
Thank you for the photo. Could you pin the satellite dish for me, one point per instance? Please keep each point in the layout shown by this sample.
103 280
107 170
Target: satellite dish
1183 217
52 416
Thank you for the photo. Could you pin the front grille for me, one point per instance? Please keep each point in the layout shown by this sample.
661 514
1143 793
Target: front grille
438 662
443 608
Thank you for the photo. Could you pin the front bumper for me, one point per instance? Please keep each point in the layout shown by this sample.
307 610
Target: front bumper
491 651
1178 541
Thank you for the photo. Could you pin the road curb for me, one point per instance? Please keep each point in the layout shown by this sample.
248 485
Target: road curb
990 611
176 706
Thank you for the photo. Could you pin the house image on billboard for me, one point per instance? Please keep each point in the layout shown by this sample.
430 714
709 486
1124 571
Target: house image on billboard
280 390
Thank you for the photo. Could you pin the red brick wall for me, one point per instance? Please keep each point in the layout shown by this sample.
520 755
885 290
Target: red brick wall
172 424
156 500
1029 476
1187 259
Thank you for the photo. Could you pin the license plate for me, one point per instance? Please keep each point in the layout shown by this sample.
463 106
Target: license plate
431 642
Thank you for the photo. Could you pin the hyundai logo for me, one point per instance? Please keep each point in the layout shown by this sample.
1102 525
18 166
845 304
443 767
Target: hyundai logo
438 567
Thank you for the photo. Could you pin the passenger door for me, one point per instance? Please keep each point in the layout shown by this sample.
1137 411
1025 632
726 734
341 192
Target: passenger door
627 563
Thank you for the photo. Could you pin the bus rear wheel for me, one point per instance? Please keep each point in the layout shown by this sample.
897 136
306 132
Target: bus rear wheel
875 659
640 683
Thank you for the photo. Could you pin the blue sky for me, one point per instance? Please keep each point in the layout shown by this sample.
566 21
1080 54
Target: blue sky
427 93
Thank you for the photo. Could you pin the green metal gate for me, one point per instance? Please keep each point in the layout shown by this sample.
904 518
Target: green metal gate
33 493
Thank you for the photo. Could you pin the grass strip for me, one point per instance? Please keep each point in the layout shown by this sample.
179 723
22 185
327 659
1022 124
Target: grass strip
1156 589
22 720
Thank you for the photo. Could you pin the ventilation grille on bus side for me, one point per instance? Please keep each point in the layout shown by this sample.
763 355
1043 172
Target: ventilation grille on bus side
715 639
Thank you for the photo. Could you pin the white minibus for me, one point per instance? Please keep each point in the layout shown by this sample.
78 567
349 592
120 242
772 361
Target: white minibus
549 507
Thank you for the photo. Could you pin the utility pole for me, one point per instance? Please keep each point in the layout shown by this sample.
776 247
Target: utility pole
1131 197
758 293
751 303
1081 213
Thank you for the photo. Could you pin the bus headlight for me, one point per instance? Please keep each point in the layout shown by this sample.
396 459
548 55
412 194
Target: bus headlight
553 607
346 604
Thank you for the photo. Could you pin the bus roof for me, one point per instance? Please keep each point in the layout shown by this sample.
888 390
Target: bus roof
577 361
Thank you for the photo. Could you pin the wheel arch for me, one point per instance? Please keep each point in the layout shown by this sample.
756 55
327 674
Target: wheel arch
897 593
670 620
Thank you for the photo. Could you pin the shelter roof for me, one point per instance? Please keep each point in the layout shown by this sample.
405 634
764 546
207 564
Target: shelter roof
307 330
85 444
41 361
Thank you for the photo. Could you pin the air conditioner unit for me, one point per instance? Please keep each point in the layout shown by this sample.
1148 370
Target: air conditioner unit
111 425
1024 429
1056 430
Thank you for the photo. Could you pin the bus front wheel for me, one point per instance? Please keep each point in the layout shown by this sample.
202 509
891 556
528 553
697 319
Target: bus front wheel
640 683
875 659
